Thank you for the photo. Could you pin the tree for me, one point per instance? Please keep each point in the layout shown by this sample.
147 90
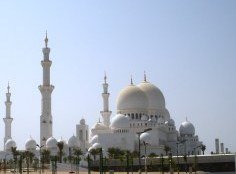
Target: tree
77 153
60 146
28 156
14 153
45 157
203 148
151 155
94 153
166 149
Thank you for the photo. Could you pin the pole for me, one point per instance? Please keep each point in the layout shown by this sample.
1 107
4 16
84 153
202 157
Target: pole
177 156
89 164
145 149
139 153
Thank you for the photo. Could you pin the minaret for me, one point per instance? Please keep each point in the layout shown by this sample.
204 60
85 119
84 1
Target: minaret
106 114
46 90
8 120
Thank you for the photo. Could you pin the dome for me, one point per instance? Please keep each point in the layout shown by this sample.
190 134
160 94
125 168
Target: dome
145 137
170 122
96 146
73 142
119 121
132 98
82 121
94 139
155 97
51 143
186 128
9 144
30 144
99 126
150 137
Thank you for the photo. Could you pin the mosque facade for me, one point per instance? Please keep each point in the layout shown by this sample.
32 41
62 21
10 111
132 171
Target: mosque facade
141 119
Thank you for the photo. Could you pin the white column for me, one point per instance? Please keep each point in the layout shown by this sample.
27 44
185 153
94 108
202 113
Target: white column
217 146
8 120
222 149
46 90
106 114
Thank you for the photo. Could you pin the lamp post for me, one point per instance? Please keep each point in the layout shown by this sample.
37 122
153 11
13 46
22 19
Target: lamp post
40 147
101 161
88 158
177 156
145 150
195 158
139 145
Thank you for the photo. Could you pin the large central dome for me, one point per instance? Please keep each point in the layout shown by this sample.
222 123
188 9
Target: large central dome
132 98
155 97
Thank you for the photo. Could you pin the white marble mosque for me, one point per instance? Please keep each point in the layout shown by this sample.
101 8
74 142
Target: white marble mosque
140 108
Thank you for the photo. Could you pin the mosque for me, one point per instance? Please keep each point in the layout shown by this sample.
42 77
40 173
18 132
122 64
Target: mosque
141 119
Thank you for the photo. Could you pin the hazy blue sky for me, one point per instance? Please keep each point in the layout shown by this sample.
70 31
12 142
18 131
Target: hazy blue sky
187 48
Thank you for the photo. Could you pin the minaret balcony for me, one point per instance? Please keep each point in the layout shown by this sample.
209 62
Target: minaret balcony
46 63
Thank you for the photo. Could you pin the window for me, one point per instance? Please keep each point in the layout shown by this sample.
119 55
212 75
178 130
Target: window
80 135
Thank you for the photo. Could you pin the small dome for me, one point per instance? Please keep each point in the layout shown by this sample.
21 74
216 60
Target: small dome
94 139
73 142
154 95
96 146
119 121
186 128
145 137
99 126
132 98
150 137
82 121
61 141
9 144
30 144
170 122
51 143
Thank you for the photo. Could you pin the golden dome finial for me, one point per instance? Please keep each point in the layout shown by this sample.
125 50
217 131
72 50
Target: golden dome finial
145 77
46 39
105 77
131 80
8 87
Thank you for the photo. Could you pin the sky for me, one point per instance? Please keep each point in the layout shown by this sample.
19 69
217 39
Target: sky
187 48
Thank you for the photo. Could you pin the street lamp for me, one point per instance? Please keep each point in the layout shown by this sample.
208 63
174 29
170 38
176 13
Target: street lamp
177 144
145 150
195 160
40 147
139 155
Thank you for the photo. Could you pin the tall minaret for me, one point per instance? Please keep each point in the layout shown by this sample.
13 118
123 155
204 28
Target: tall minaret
106 114
8 120
46 90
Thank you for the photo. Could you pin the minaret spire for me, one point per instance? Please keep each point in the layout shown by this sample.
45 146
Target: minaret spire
131 80
106 114
8 87
145 77
46 90
46 39
8 120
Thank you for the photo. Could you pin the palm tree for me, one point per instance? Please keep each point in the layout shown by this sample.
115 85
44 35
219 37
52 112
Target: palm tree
77 153
203 148
111 152
94 152
45 157
14 153
28 156
60 146
166 149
